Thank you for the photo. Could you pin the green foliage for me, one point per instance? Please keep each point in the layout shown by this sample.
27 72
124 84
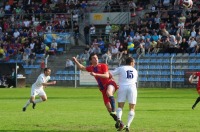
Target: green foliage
82 110
115 28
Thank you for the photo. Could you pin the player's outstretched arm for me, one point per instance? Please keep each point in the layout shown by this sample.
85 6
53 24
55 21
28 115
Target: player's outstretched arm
80 66
49 83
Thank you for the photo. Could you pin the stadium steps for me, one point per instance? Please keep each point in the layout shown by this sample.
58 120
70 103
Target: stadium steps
56 63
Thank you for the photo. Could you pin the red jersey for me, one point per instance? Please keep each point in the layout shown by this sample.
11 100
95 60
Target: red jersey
101 69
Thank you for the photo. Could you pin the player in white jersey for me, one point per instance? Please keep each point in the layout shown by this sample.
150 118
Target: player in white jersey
38 88
127 79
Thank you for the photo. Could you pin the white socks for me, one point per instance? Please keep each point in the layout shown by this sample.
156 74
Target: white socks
27 103
119 113
131 115
38 101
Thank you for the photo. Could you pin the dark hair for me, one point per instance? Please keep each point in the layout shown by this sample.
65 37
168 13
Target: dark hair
46 69
129 60
91 55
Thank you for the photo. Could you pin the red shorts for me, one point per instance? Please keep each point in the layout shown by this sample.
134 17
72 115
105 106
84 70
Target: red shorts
105 97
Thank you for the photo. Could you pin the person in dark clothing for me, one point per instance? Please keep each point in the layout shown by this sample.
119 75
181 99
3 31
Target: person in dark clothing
11 80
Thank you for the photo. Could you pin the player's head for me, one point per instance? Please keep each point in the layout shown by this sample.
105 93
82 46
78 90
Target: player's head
130 61
47 71
93 59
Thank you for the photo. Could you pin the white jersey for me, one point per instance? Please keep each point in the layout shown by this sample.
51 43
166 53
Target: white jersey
127 75
41 79
127 78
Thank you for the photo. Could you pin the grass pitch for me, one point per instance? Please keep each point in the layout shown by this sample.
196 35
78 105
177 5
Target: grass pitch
82 110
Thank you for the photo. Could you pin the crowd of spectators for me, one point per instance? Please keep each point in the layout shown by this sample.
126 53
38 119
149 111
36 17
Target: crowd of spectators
24 22
166 27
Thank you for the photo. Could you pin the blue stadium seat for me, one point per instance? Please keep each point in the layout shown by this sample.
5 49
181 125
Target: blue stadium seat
141 61
25 66
178 79
158 66
142 79
146 60
60 50
153 61
152 67
165 67
152 55
165 61
164 73
160 55
191 67
192 60
166 55
159 60
59 72
71 72
27 72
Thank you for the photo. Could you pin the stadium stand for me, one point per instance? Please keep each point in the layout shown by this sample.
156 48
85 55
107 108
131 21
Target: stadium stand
165 60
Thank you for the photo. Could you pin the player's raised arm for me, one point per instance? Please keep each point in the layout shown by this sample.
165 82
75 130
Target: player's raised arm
80 66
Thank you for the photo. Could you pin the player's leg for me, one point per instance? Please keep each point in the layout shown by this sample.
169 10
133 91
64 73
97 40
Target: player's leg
132 99
198 99
119 124
28 103
43 97
196 102
31 99
131 116
121 101
110 93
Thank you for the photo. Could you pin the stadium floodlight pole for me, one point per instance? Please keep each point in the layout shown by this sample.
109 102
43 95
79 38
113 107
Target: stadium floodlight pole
171 71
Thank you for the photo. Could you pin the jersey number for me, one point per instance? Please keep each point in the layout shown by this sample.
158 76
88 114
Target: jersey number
129 74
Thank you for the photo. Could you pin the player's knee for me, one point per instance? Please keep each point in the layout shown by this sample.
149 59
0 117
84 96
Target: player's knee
44 99
32 101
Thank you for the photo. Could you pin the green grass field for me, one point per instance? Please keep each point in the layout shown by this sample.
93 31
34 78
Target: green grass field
82 110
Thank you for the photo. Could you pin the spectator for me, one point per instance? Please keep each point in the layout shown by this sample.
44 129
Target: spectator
86 34
183 46
32 58
101 44
114 51
25 58
12 79
69 65
54 45
140 50
107 30
42 65
84 57
192 45
107 57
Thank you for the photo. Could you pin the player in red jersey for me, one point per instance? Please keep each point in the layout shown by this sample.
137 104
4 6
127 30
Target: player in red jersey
196 74
106 85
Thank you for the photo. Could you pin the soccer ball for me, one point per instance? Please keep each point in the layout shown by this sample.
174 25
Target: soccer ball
193 80
187 3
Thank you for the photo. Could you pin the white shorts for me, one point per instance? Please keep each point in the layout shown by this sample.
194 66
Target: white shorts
35 92
127 92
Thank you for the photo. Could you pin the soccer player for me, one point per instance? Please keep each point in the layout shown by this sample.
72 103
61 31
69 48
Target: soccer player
127 79
38 88
106 85
195 74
